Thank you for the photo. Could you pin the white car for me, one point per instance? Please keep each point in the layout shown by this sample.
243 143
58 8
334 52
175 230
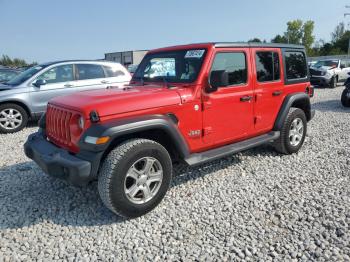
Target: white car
329 72
25 96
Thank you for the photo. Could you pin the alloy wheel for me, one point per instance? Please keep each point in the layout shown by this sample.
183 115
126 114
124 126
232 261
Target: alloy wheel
143 180
10 118
296 132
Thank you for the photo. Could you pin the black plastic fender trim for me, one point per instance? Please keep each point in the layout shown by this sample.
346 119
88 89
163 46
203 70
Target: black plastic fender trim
118 128
287 104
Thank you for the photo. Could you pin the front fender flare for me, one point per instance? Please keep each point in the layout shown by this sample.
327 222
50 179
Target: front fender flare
121 127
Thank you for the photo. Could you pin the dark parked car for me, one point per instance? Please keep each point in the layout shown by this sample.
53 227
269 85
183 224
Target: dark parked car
6 74
345 96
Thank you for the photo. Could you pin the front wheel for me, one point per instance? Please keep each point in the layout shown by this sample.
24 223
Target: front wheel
13 118
334 82
135 177
345 97
293 132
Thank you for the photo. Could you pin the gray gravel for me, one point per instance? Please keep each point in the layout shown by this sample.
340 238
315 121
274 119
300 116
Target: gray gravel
256 205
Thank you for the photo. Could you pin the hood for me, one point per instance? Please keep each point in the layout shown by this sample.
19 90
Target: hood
116 101
4 87
323 68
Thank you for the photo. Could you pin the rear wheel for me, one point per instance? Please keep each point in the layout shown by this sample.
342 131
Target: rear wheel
293 132
134 177
13 118
345 97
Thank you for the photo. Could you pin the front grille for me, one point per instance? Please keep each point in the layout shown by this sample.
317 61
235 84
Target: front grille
58 125
314 72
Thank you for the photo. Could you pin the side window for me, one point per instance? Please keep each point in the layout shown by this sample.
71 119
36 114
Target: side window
347 63
89 71
58 74
343 64
296 67
112 71
267 66
234 64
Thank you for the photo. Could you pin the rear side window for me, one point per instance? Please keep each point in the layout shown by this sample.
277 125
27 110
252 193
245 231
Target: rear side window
113 72
89 71
296 67
234 64
267 66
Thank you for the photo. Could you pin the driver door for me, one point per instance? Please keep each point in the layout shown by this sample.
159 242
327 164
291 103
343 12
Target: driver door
59 81
228 112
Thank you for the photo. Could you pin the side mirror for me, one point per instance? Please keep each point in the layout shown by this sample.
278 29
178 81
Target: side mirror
39 82
342 66
218 78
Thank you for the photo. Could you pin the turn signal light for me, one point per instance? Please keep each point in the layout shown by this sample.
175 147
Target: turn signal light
97 140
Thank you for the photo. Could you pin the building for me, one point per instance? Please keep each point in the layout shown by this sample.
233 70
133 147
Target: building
127 57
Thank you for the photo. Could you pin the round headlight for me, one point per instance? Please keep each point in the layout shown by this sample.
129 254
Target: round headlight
81 122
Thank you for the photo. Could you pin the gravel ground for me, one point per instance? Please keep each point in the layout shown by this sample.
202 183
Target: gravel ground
256 205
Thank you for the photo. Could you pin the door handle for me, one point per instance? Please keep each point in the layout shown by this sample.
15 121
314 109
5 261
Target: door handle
246 98
277 93
68 85
104 82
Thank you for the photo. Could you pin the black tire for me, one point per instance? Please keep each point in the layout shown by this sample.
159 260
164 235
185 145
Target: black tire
284 144
113 175
23 117
333 83
345 100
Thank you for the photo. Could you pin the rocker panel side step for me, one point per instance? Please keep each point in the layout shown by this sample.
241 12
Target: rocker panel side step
210 155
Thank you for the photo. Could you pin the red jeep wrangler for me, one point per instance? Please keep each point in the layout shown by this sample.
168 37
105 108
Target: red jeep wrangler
194 103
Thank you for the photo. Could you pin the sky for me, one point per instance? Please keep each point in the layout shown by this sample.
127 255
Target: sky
43 30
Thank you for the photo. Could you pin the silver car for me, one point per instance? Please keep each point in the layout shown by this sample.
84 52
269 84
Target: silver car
25 96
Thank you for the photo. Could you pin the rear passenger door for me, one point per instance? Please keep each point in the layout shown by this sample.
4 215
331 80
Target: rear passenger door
269 86
89 77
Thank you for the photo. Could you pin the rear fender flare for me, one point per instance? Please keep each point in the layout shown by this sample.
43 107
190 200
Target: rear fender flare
300 100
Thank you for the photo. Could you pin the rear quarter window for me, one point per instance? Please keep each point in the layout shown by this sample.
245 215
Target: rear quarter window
295 65
113 71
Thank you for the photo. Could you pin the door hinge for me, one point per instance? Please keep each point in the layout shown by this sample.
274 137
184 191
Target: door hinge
207 130
206 105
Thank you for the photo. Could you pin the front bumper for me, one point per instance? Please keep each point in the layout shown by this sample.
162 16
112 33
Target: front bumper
320 80
58 162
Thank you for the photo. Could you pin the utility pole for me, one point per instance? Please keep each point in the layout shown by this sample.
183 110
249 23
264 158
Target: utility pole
345 15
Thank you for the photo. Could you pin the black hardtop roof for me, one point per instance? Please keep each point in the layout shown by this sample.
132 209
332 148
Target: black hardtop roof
244 44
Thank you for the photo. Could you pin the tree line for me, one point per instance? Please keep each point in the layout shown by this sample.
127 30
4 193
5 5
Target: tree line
299 32
15 62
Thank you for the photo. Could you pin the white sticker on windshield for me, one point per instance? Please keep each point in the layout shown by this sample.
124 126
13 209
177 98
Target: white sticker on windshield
194 53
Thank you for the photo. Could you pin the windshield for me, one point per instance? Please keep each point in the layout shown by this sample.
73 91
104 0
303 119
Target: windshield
178 66
330 63
25 75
